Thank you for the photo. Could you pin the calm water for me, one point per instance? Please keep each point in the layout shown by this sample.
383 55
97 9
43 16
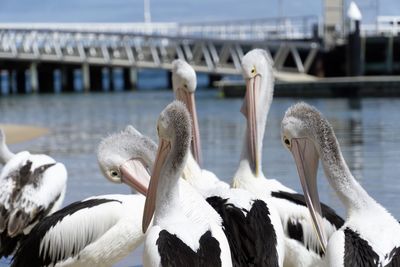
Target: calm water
368 131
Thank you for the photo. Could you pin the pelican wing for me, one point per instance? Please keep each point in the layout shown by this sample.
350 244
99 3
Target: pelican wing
250 233
299 227
174 252
31 188
357 250
394 258
64 234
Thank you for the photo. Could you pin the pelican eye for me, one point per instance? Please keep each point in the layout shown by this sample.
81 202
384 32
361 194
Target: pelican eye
185 85
253 70
114 173
287 142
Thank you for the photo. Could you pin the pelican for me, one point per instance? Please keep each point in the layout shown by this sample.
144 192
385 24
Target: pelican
236 207
370 235
31 187
101 230
301 245
175 239
184 83
98 231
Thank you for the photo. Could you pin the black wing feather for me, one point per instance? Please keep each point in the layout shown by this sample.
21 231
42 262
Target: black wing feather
394 258
327 212
357 251
175 253
250 234
28 252
8 244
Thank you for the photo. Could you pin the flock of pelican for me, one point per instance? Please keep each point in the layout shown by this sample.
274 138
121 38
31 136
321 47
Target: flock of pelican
187 216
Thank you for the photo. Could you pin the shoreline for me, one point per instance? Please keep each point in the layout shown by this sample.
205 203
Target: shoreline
17 133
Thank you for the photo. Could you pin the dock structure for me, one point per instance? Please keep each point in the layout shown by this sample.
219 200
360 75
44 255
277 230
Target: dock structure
35 56
90 48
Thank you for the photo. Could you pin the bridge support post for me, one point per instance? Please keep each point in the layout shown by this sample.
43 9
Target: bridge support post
34 80
354 52
46 79
67 78
130 78
86 77
96 78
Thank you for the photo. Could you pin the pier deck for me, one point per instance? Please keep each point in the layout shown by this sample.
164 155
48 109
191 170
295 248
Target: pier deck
296 85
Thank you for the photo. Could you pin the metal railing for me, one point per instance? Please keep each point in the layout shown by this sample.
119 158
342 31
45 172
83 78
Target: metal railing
384 26
255 29
212 48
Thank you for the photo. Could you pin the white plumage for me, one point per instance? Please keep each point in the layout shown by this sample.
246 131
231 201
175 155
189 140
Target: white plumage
98 231
370 235
258 74
32 186
183 232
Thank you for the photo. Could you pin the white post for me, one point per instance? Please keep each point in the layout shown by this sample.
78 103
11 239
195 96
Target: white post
34 77
86 77
147 13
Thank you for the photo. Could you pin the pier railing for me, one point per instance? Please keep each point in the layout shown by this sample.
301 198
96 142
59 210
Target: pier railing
384 26
119 45
254 29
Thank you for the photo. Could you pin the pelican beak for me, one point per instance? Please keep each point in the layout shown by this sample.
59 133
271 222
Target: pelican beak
189 100
249 110
306 157
150 204
135 174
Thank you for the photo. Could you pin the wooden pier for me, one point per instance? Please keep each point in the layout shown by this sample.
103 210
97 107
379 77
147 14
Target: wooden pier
309 87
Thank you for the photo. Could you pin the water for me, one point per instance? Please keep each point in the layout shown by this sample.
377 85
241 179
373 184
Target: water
368 131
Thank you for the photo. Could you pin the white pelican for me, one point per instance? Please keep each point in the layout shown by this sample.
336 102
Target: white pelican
184 83
248 221
31 187
98 231
101 230
176 239
302 247
370 235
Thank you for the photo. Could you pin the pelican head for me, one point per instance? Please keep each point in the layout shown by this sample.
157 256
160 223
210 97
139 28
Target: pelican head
184 82
127 157
303 130
174 133
257 72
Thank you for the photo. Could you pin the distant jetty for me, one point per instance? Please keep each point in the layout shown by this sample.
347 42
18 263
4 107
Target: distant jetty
359 86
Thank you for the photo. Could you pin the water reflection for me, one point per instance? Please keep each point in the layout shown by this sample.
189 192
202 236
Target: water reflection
367 129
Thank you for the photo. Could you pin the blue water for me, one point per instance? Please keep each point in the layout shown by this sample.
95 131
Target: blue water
175 10
368 131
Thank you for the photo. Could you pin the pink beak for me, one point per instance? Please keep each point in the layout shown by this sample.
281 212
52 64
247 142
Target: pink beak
135 175
306 157
249 110
189 100
150 204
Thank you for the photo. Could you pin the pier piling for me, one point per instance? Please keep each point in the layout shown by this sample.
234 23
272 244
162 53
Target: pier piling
86 77
130 78
34 80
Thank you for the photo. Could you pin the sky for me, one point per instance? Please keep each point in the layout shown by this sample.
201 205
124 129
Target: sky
173 10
